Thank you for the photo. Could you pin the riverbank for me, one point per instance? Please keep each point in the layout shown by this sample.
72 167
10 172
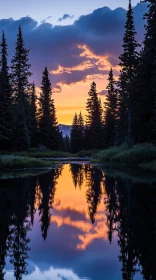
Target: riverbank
54 154
10 162
143 155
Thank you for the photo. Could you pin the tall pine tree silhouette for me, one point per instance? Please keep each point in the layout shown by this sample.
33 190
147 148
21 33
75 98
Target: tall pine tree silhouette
33 118
48 127
6 115
144 83
93 135
110 112
128 63
77 133
21 88
74 137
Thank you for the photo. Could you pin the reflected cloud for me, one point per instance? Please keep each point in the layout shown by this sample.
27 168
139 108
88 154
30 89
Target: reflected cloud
52 273
71 210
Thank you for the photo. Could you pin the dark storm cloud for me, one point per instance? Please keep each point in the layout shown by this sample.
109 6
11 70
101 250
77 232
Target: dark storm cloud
101 31
65 16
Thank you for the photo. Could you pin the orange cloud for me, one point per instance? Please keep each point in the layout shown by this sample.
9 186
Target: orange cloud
89 238
77 92
84 226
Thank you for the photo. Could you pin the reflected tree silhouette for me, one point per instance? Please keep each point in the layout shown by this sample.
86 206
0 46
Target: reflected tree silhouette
47 184
131 209
94 178
77 172
4 232
19 227
111 205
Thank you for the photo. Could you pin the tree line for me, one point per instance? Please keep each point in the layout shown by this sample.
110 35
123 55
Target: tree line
129 113
127 117
25 120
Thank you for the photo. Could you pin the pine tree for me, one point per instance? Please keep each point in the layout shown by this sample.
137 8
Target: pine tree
62 146
6 115
143 87
48 127
94 124
81 130
67 143
47 188
21 87
94 191
33 118
77 133
128 63
110 111
74 137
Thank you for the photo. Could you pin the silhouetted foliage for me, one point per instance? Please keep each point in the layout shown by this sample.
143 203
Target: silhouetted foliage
67 143
20 73
94 123
6 101
110 112
48 127
47 185
33 117
94 184
77 172
128 62
143 88
77 134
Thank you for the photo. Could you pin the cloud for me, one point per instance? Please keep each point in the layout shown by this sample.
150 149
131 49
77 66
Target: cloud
78 52
103 92
44 20
65 16
57 89
52 273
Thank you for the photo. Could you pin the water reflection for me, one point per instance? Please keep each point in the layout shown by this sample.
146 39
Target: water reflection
78 222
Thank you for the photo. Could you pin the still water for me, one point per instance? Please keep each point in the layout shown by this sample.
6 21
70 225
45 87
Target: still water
78 222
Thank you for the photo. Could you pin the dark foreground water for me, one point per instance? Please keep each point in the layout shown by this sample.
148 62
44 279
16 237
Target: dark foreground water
78 222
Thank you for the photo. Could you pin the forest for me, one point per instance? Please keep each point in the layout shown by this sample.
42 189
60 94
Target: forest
127 118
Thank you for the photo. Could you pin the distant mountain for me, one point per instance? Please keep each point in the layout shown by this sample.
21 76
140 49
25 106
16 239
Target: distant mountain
65 129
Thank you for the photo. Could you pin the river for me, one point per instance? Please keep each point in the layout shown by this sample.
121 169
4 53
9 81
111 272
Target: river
78 222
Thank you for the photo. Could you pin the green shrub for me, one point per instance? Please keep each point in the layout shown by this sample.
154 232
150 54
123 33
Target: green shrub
84 153
149 165
35 153
120 155
44 154
136 155
18 162
105 156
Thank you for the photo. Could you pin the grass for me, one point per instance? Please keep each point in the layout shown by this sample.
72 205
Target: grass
105 156
21 162
52 154
13 174
138 154
149 165
34 158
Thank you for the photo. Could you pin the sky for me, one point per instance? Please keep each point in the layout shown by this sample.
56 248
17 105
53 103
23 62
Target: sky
77 40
